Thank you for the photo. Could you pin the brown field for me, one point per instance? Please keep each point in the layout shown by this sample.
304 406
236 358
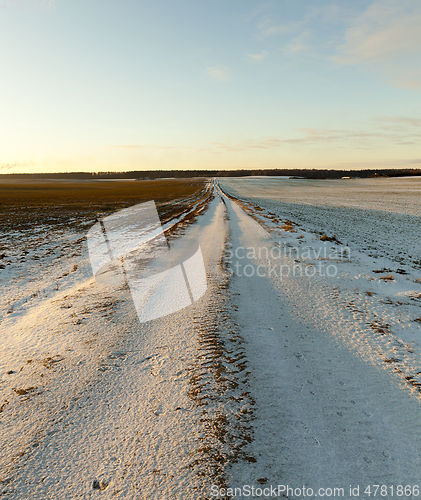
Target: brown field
26 204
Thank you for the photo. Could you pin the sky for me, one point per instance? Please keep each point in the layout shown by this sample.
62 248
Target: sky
193 84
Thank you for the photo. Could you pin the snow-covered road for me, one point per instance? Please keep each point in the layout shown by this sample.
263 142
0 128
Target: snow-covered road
261 382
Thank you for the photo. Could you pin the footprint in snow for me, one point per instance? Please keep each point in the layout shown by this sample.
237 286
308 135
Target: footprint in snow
99 485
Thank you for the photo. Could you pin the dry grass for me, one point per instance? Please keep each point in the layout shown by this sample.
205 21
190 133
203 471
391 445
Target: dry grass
49 362
325 237
26 204
288 226
23 392
3 406
388 277
383 270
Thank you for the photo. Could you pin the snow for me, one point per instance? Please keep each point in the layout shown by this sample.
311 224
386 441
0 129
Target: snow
106 398
329 410
305 380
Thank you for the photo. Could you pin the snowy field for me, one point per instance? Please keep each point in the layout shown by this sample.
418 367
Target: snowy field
300 367
381 216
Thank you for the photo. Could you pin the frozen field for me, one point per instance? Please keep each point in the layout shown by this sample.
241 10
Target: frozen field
381 216
286 372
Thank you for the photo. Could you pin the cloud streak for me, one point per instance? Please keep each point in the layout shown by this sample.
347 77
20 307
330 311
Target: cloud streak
268 27
401 120
219 73
403 132
258 57
386 38
386 30
389 130
16 164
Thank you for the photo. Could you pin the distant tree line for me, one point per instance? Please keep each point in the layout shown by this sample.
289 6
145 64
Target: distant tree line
182 174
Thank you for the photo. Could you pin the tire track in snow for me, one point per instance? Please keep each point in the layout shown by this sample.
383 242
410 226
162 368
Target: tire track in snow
219 383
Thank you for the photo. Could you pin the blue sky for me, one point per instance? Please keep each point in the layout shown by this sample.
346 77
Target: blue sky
159 84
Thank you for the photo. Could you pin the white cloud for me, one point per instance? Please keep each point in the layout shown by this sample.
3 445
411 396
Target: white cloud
409 79
157 147
258 57
221 73
387 36
312 17
401 120
267 27
403 131
298 44
384 31
307 33
384 36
